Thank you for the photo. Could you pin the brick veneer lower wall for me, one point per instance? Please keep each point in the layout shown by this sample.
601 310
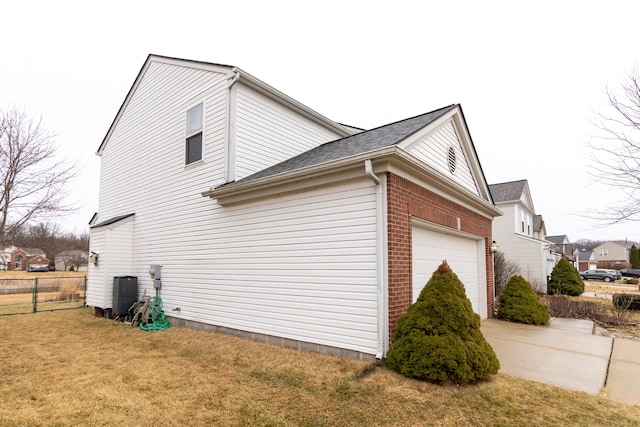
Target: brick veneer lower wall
405 200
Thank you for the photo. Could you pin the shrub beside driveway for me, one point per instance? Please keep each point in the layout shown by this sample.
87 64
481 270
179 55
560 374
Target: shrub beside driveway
69 368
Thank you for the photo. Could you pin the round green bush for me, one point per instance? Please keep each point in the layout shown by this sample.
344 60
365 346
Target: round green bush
565 279
439 338
519 303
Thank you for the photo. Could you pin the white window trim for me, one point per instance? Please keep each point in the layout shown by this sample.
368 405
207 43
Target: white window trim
189 135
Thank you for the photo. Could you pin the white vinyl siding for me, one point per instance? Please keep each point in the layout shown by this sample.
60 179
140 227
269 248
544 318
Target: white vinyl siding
433 149
267 133
301 266
143 166
114 246
96 274
529 254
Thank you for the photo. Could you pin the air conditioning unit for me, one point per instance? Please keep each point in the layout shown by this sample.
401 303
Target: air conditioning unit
125 293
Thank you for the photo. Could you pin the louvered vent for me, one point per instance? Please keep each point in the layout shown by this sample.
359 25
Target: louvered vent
451 158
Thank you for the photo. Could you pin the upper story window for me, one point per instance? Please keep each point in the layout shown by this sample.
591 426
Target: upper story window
603 252
193 149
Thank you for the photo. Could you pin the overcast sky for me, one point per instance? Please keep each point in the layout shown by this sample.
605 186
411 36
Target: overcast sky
529 78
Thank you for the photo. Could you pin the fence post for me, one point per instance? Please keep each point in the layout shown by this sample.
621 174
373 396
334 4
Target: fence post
35 296
85 291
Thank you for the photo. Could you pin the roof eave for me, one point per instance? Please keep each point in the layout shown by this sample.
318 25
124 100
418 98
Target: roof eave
243 188
238 192
281 97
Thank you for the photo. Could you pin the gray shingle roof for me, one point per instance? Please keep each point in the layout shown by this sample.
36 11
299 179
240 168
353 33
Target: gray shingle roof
374 139
585 254
507 191
558 240
537 222
112 220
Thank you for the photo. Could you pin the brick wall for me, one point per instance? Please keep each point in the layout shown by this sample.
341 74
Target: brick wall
405 200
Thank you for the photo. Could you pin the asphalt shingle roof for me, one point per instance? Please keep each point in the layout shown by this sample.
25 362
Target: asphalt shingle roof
374 139
557 239
507 191
112 220
537 222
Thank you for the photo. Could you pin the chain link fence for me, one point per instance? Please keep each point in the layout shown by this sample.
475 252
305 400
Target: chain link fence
18 296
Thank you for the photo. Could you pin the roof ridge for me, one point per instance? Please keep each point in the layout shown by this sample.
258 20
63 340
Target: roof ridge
449 107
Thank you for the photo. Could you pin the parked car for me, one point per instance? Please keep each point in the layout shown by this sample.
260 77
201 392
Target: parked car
630 272
33 269
617 273
600 274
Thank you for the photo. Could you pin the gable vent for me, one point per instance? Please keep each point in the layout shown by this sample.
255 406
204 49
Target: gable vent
451 159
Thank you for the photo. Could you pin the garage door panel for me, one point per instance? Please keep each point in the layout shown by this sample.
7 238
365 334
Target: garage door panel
430 248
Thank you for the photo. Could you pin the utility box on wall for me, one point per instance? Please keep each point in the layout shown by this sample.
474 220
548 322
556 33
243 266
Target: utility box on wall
125 293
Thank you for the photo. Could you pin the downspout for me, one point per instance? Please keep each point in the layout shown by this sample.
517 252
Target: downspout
380 259
230 145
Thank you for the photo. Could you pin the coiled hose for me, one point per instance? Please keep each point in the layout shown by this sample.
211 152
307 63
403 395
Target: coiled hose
158 320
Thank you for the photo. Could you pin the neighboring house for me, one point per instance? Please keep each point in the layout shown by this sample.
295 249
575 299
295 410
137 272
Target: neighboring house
521 233
586 260
15 258
77 259
563 245
565 249
266 219
613 254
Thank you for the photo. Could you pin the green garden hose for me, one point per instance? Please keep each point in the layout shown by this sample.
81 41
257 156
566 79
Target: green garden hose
158 319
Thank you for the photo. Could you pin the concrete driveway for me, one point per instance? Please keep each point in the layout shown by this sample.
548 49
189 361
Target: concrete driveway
565 353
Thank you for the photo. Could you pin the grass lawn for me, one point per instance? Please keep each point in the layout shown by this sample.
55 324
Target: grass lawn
70 368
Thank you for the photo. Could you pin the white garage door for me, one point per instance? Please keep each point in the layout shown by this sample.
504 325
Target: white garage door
430 248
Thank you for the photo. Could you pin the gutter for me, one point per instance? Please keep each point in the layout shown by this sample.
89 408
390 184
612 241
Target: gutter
230 143
311 171
380 259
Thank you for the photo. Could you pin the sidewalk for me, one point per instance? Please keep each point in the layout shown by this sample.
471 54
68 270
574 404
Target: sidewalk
565 353
623 383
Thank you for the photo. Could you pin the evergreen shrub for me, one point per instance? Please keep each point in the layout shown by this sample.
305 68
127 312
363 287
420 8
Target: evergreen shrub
519 303
565 279
439 338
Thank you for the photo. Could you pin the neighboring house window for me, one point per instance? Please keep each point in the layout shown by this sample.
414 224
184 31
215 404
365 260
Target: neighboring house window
19 262
194 134
603 252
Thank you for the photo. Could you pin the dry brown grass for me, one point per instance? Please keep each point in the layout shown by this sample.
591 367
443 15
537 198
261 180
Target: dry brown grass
70 368
607 289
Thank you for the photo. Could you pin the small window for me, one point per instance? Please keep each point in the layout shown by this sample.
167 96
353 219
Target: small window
451 159
193 149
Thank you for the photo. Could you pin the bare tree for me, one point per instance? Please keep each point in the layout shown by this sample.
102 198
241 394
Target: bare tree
504 270
33 178
616 151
